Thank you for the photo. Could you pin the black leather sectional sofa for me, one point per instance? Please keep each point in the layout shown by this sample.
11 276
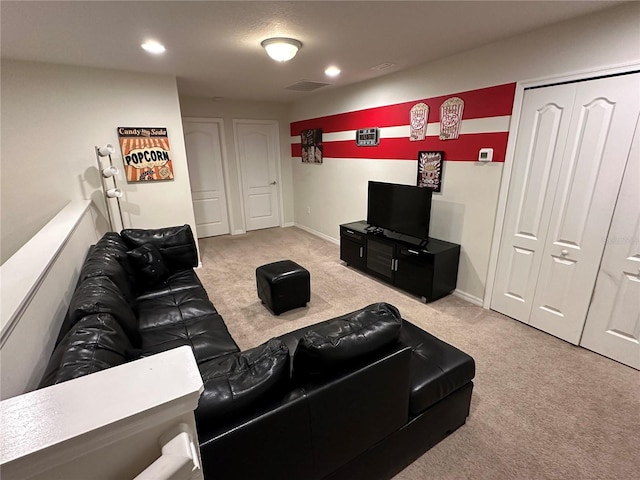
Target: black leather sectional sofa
355 397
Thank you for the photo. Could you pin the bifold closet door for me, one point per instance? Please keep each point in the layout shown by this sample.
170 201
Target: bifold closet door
542 135
567 174
600 136
613 322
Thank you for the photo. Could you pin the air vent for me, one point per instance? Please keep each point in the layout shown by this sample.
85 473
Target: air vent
305 86
383 66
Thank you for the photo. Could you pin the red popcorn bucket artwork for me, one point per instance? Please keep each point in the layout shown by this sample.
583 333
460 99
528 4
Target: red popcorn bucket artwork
451 118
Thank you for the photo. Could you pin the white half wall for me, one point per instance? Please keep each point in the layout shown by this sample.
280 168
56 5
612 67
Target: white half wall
52 118
465 211
37 284
111 424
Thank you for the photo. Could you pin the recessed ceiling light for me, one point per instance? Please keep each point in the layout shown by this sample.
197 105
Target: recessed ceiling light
332 71
153 47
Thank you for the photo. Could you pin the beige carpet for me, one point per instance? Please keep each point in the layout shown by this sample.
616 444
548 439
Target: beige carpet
541 408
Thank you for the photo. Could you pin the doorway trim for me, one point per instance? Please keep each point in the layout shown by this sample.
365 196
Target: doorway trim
238 121
511 143
225 163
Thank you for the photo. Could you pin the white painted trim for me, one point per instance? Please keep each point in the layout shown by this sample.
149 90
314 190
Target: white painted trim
225 162
289 224
509 157
23 272
502 196
582 74
238 232
239 121
468 297
239 169
55 425
317 233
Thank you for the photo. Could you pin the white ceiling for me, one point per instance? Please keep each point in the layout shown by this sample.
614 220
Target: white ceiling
213 47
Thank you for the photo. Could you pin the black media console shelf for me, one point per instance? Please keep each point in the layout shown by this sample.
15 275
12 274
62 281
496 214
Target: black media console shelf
430 271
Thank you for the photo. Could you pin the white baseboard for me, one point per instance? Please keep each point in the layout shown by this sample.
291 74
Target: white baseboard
468 297
318 234
238 232
288 224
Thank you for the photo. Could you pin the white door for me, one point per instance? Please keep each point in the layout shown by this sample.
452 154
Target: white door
570 154
542 134
600 136
204 158
613 322
258 156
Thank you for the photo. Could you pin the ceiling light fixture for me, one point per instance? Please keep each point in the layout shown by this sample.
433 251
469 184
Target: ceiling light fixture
153 47
281 49
332 71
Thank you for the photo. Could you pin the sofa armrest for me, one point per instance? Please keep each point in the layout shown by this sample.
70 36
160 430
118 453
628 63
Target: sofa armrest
176 244
357 409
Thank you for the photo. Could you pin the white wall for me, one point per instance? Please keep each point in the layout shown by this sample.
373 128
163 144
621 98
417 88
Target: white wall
228 110
465 211
53 116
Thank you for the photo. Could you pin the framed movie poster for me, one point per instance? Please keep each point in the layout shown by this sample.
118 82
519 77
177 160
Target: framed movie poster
145 153
430 170
311 141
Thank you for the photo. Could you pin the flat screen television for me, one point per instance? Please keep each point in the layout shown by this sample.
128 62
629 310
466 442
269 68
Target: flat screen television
401 208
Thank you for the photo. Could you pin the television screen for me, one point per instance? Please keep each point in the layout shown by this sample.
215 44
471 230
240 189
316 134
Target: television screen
401 208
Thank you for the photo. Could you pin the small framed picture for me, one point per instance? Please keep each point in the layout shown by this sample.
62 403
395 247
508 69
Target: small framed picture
430 170
311 141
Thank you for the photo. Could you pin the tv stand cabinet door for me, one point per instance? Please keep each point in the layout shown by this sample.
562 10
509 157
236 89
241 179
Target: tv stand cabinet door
380 259
414 272
352 252
352 246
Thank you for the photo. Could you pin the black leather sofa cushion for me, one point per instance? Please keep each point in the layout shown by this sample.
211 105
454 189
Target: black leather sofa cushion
437 368
101 263
176 282
176 244
95 343
235 382
112 244
101 295
173 308
207 336
328 345
151 269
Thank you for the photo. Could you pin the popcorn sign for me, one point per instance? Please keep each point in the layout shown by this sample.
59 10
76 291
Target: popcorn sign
145 153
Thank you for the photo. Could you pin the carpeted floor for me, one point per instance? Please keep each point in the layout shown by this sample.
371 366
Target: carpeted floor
541 408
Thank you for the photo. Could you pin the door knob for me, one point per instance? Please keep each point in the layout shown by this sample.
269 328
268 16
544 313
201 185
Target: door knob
564 253
273 183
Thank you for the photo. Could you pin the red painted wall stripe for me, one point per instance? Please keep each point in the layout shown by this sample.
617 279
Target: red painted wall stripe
486 102
465 148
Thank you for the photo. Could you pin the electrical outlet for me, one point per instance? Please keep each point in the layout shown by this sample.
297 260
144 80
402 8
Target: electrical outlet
308 210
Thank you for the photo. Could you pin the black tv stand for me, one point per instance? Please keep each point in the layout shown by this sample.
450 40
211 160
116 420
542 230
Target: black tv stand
424 267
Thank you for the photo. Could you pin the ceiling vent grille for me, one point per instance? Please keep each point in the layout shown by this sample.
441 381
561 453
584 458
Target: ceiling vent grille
383 66
305 86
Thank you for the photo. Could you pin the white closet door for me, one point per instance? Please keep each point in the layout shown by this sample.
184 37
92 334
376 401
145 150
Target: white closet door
542 133
600 135
613 322
204 158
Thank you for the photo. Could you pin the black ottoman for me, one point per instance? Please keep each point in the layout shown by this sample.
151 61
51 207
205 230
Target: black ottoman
283 286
